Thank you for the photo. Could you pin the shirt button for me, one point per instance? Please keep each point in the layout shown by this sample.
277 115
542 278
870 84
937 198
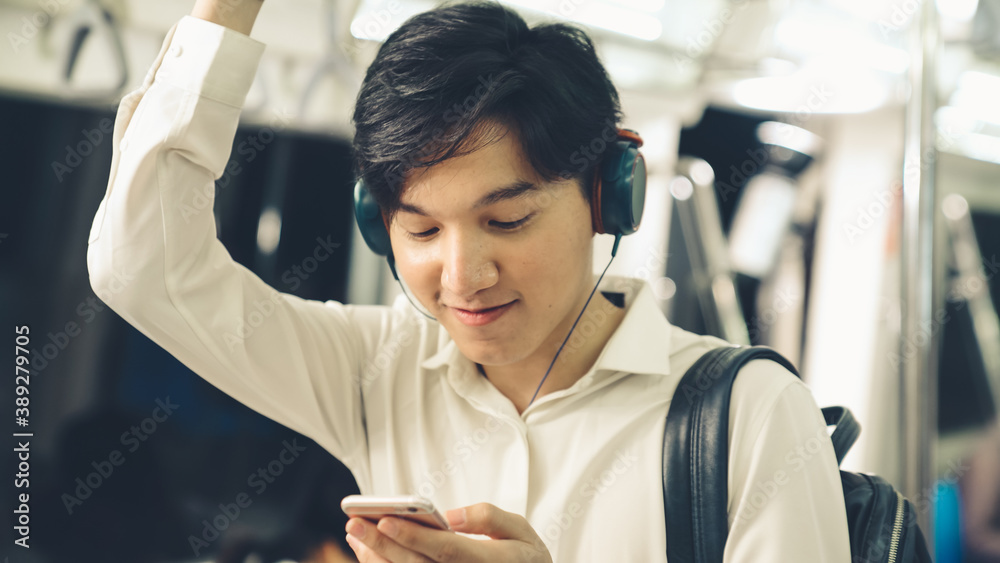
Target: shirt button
176 50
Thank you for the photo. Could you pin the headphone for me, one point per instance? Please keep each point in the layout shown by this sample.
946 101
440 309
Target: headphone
618 194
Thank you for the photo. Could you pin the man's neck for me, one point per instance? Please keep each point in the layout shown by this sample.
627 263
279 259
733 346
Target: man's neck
518 381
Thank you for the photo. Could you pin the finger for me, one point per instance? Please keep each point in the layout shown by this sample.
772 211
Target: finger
380 544
437 545
487 519
363 552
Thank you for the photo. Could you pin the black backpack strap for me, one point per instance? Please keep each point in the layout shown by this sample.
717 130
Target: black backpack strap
696 453
846 431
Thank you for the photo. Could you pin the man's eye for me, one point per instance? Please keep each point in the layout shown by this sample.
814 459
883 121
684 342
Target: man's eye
512 225
424 234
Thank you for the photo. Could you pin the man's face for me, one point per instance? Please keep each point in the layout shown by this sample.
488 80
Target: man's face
454 252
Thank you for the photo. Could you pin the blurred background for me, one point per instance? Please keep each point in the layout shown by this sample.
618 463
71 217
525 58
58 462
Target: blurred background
824 178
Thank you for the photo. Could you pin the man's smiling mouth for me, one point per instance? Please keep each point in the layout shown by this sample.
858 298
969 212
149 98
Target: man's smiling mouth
481 316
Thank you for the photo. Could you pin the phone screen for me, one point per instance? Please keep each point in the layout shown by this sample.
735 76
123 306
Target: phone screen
417 509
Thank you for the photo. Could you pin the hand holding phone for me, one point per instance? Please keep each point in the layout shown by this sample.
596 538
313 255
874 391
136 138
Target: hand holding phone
415 508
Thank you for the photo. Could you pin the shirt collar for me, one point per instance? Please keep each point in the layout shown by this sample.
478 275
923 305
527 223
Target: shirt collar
640 344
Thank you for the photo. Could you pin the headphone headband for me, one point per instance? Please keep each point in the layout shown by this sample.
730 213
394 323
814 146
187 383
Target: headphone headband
630 135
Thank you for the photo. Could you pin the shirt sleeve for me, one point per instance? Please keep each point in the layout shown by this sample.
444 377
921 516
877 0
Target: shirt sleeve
786 499
154 257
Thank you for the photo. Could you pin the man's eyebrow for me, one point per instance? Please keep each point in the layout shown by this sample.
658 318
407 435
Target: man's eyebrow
520 188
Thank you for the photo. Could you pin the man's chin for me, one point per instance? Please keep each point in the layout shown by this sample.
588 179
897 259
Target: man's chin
487 353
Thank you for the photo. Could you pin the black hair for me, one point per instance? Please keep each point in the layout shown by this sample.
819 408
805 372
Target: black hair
445 76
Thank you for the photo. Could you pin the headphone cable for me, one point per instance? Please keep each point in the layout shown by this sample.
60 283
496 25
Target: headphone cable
614 250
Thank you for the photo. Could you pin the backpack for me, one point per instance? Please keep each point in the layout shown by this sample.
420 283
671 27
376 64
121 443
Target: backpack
881 522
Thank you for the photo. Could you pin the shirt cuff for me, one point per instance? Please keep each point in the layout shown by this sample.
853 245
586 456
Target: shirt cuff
211 60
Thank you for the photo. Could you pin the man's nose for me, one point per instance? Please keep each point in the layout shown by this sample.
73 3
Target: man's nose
468 266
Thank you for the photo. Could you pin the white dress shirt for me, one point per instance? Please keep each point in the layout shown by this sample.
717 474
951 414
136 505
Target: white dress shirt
387 391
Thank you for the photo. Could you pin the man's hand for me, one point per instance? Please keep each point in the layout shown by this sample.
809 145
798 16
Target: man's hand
237 15
400 541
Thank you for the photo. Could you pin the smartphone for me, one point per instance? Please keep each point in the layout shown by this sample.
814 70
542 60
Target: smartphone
417 509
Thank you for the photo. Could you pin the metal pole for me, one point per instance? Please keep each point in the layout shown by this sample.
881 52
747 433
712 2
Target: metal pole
920 333
694 196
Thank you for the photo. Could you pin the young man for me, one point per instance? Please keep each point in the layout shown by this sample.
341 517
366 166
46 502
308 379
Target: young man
469 126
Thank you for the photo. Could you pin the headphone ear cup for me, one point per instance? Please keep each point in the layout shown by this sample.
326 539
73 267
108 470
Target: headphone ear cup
620 186
369 217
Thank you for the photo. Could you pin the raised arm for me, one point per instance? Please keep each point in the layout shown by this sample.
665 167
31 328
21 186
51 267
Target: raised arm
154 257
238 15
